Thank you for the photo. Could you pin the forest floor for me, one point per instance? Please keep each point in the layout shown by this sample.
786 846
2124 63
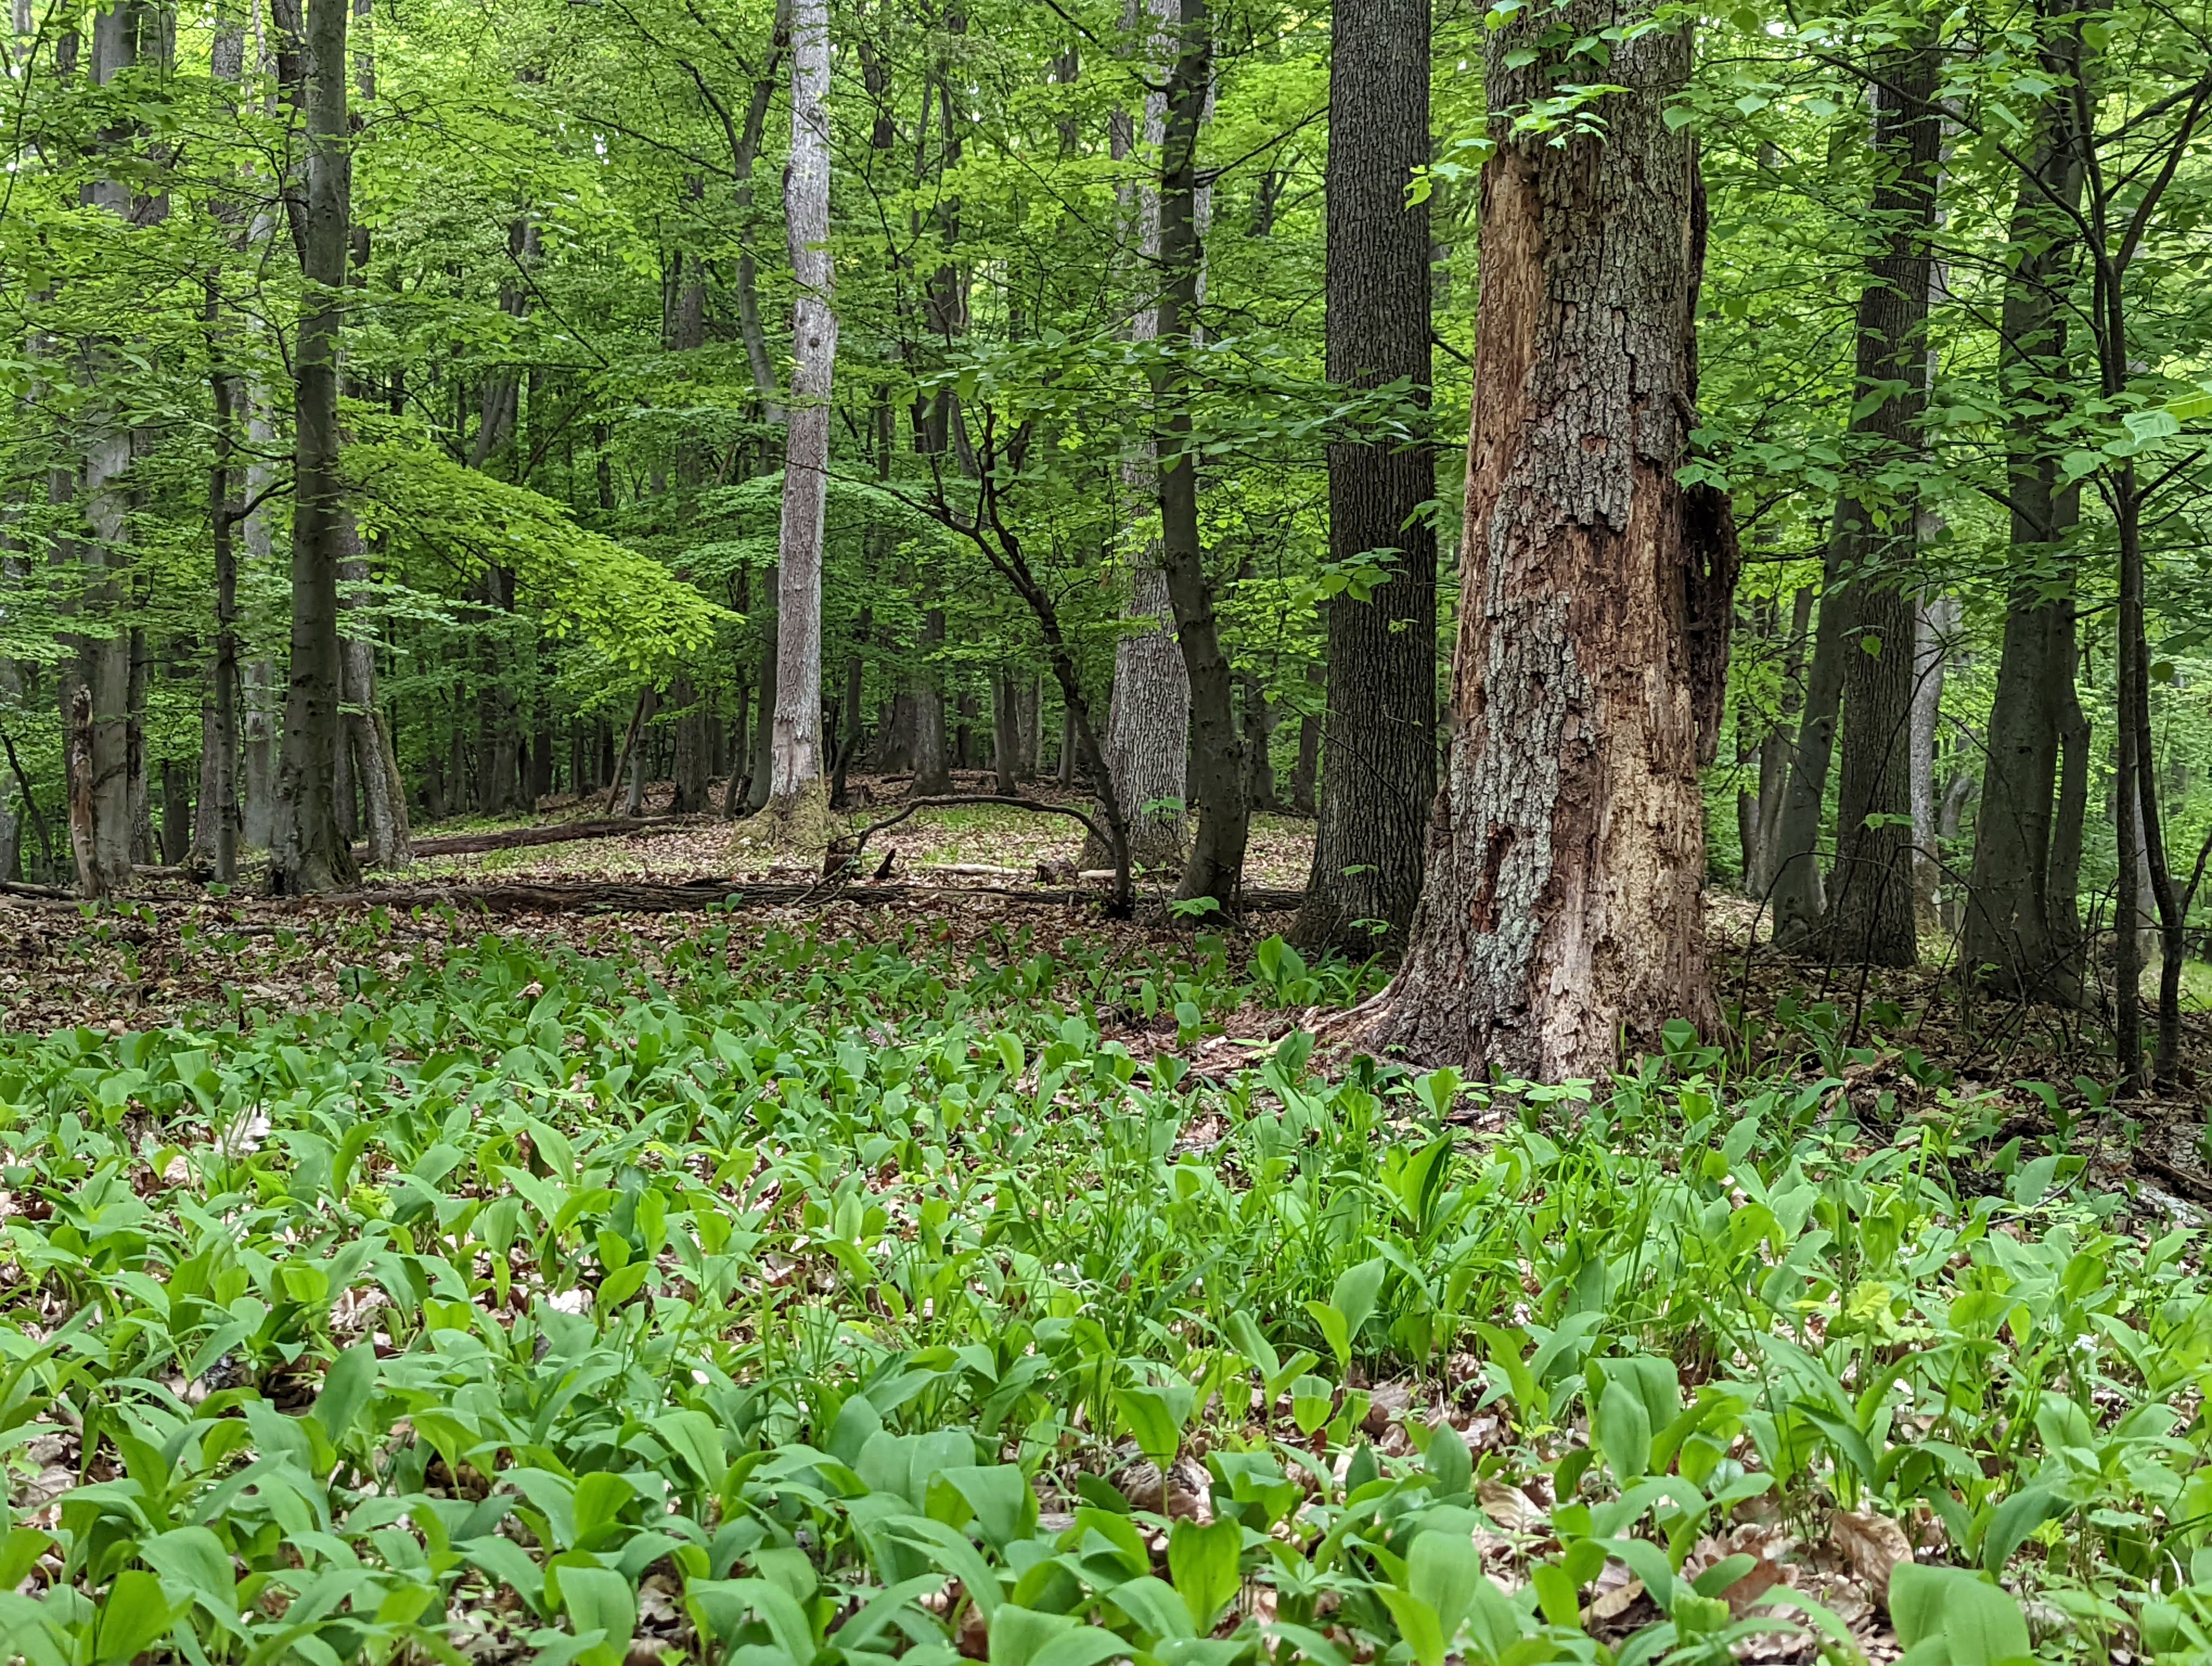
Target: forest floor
968 1210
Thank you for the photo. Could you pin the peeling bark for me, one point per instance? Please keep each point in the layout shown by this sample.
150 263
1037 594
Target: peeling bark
1561 911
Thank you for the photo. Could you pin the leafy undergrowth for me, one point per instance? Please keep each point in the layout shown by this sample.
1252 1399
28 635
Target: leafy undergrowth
795 1300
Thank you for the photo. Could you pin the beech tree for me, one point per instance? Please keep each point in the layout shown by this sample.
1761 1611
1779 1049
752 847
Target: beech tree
1561 907
798 790
308 852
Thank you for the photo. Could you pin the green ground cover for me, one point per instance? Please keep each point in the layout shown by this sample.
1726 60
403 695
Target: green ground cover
793 1301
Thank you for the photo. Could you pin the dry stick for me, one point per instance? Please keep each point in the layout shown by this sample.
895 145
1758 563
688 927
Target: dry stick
629 740
853 856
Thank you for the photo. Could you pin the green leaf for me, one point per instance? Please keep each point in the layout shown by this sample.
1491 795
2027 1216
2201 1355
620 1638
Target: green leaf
693 1437
1203 1563
1355 1292
1149 1415
1443 1570
600 1499
1974 1623
347 1386
1417 1623
1621 1429
1450 1467
600 1600
134 1615
2013 1520
193 1561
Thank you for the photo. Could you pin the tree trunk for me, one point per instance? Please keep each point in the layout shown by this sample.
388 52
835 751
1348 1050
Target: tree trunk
2015 935
1775 748
2062 889
308 854
763 739
1259 761
1215 868
1305 774
1379 754
123 32
1561 909
1148 716
798 794
1006 743
691 760
1148 731
176 814
1797 897
634 753
92 882
1870 916
932 763
1936 622
1029 725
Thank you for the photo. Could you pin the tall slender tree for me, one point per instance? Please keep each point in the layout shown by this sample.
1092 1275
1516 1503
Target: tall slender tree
798 790
1378 745
1215 868
308 852
2012 935
1869 915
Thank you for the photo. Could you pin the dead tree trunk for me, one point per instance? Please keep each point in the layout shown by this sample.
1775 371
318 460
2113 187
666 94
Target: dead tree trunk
1561 907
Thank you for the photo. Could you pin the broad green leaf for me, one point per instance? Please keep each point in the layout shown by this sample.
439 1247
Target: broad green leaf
1203 1561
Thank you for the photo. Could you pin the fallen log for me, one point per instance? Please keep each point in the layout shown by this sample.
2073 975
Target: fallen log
519 838
623 897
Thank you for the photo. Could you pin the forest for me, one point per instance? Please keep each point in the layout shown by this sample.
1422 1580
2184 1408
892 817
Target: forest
1206 832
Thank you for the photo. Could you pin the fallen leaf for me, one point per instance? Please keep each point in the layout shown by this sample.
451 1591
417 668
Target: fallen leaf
1871 1545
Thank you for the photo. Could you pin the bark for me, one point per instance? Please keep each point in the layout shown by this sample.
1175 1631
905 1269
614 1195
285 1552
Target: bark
1029 725
797 792
1147 729
92 880
1561 909
121 33
1215 868
763 737
933 760
1936 621
1259 760
1378 769
1148 718
308 854
1305 774
692 764
1006 734
2062 905
499 735
633 804
383 790
1870 915
1798 899
1775 749
176 814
